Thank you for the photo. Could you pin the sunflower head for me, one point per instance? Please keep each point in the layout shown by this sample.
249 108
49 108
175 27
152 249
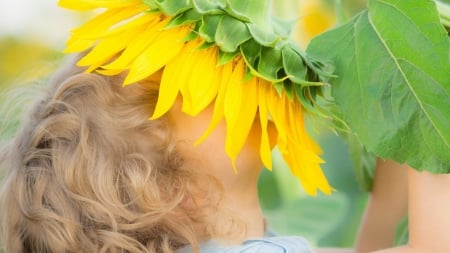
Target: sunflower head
231 53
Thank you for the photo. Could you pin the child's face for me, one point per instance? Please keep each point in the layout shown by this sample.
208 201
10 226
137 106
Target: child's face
211 152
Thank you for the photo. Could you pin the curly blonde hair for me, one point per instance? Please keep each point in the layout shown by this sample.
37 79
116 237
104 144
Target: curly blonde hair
88 172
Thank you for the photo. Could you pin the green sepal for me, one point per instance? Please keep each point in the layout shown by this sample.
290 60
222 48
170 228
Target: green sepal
206 45
270 63
306 99
283 27
188 17
248 75
151 3
231 33
209 26
324 70
279 87
251 51
190 36
293 64
170 7
256 12
289 88
265 38
209 6
225 58
247 28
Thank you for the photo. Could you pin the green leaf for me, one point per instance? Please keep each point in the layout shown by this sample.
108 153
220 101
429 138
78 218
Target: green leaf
444 12
231 33
364 162
444 1
402 232
393 86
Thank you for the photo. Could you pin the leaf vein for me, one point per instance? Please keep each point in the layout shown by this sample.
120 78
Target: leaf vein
407 81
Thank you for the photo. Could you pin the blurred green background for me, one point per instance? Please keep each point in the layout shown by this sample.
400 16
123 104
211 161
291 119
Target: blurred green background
32 37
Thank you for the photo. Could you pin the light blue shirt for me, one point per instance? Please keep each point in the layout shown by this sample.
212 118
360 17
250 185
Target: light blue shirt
275 244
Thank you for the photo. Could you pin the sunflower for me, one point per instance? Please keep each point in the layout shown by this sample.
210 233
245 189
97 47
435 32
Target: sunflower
230 53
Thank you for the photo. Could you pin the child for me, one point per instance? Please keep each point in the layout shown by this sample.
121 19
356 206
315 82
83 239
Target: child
89 172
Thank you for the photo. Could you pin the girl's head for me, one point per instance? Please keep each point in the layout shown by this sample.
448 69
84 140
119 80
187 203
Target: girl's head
88 172
223 53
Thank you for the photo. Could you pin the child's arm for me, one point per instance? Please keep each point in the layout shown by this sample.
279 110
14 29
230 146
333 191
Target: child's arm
429 223
386 207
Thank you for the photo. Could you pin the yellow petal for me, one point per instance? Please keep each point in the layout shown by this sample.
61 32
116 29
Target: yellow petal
265 149
168 44
107 49
139 44
241 103
109 72
310 175
305 181
86 35
172 78
300 152
192 54
127 19
276 111
78 45
232 105
203 83
105 21
218 114
92 4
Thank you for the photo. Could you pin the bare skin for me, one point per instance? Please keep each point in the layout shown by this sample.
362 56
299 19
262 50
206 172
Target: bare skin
239 189
386 207
240 195
404 249
429 202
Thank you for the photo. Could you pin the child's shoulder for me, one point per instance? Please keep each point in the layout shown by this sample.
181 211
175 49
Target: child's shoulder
275 244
